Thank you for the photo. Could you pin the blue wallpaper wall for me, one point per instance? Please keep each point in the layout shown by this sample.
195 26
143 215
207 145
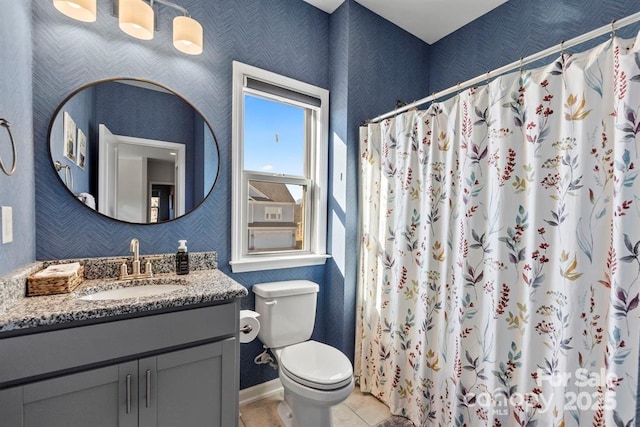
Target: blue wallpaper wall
143 113
517 29
336 241
16 106
285 36
381 64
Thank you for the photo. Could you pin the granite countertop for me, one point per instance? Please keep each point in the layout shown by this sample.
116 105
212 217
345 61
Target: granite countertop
197 287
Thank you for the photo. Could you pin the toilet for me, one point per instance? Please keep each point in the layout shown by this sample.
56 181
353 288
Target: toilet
314 376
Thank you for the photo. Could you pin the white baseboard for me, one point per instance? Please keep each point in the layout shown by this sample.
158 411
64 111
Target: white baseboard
260 391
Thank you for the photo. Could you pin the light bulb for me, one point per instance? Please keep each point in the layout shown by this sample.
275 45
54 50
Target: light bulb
81 10
187 35
135 17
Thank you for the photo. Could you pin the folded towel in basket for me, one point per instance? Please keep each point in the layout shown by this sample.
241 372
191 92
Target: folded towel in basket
59 270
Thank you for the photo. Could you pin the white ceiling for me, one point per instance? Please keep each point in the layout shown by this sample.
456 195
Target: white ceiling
429 20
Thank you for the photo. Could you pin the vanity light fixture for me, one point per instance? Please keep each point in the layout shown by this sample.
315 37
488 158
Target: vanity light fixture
82 10
136 18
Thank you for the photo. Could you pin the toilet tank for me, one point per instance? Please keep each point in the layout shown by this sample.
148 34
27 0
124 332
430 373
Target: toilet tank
287 311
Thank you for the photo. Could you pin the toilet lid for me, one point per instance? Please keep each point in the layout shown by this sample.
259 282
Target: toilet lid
316 365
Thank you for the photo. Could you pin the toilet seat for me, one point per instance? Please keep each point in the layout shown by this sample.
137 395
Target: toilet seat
316 365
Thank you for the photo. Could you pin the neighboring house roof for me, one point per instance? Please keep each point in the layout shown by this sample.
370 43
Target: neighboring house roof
272 224
272 192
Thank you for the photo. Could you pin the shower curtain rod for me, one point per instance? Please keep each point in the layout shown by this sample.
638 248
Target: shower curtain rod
611 28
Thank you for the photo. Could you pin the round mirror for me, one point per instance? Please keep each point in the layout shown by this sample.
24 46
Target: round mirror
133 150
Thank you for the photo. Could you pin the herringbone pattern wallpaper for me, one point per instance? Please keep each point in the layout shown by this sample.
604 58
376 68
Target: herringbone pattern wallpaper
380 64
283 36
15 106
517 29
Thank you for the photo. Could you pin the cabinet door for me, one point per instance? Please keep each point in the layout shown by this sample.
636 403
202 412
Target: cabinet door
191 387
92 398
11 406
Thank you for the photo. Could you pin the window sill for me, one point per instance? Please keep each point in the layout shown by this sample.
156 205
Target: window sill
277 262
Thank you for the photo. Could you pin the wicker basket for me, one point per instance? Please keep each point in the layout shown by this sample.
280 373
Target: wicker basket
37 286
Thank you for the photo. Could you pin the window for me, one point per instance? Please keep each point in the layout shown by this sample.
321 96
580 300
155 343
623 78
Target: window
272 214
279 199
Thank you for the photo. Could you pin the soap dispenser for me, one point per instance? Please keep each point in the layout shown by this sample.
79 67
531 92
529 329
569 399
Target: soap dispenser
182 258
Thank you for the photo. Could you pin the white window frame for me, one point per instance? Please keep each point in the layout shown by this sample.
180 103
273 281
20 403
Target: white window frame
316 153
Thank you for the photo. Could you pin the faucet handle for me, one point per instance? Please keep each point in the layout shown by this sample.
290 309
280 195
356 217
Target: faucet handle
147 268
123 270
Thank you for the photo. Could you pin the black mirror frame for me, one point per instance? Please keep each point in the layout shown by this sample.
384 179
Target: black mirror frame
112 79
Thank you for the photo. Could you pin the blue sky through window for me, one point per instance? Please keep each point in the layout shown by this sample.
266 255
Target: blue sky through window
273 136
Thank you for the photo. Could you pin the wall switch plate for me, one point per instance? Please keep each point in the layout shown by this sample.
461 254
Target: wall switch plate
7 224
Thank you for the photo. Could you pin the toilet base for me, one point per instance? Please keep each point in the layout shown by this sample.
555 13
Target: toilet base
285 414
307 407
304 414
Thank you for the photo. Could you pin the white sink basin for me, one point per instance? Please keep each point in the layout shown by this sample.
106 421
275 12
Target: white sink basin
131 292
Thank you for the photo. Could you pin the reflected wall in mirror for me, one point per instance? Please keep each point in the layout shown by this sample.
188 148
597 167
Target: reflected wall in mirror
142 153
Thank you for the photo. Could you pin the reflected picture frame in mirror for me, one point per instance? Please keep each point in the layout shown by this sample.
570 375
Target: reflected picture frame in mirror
149 155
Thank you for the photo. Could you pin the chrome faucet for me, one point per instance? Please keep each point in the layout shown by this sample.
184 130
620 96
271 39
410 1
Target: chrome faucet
134 247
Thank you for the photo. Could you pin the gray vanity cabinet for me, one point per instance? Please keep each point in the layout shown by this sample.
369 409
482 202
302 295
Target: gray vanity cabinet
188 387
184 372
90 398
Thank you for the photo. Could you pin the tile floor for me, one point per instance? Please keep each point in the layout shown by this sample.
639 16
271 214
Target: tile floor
359 410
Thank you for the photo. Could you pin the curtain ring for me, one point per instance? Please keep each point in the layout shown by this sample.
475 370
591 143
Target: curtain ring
613 29
5 123
488 77
521 69
562 48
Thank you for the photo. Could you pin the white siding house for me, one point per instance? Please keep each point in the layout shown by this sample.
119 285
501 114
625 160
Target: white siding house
272 217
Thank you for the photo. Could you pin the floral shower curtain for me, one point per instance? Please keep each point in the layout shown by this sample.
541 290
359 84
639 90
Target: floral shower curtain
500 250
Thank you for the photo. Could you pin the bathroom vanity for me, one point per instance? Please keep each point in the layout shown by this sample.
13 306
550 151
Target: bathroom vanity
169 359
